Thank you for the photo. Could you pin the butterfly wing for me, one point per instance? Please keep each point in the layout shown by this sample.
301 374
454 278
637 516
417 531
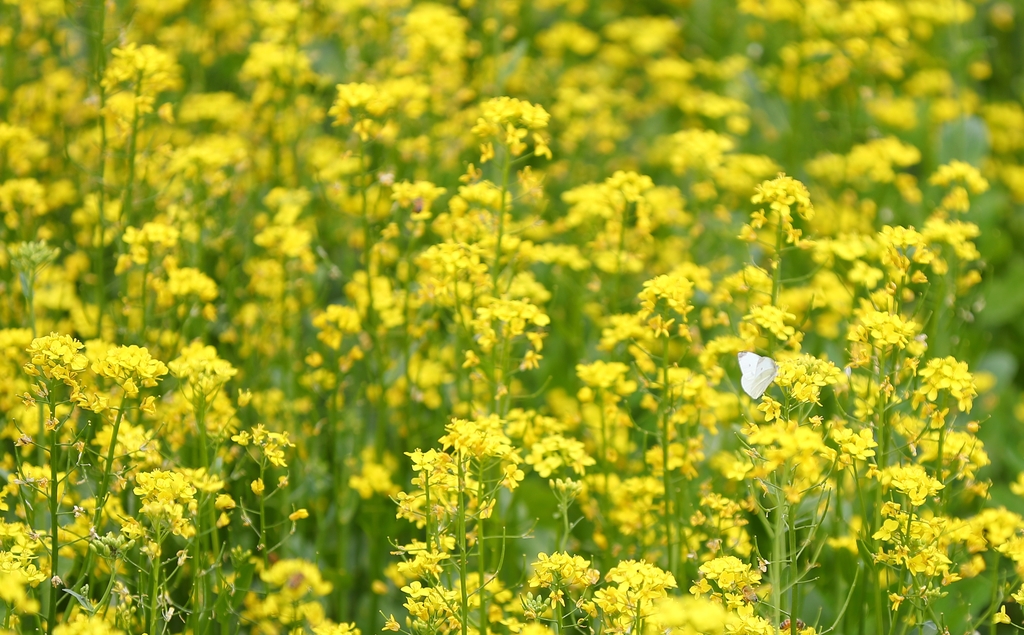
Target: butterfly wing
767 369
748 369
748 362
757 373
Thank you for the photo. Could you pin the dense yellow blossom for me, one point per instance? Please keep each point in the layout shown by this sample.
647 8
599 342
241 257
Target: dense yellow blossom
636 586
167 499
442 283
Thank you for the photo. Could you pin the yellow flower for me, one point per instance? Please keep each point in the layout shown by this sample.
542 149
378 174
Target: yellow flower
896 600
147 69
374 477
57 357
804 376
418 194
783 195
1001 617
690 615
142 241
129 366
966 173
883 330
270 444
730 573
87 625
773 319
634 587
166 495
606 375
772 409
946 374
911 480
294 578
672 293
854 446
697 149
202 369
554 451
561 571
509 120
345 628
15 585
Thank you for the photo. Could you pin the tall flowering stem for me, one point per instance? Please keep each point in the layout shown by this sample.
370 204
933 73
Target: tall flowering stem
507 121
55 362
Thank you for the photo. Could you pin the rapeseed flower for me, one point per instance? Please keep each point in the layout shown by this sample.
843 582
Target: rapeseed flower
168 499
638 585
476 264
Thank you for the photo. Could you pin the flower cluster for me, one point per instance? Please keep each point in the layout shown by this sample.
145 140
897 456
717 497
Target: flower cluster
458 302
166 498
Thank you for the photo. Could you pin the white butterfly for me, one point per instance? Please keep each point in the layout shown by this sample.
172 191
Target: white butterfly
757 373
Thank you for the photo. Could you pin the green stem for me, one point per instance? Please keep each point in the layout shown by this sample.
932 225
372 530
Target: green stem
204 457
667 485
145 302
563 504
481 555
155 584
378 549
198 586
28 284
35 618
666 475
794 573
341 487
602 500
101 270
776 278
100 62
939 459
13 14
207 514
496 270
129 186
375 376
105 598
778 553
461 529
54 501
101 493
428 515
263 515
618 256
101 497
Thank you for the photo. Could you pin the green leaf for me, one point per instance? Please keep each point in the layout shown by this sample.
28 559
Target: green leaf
965 139
1003 300
86 604
242 583
1002 364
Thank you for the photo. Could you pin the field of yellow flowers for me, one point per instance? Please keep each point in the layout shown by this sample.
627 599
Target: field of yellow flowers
341 317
